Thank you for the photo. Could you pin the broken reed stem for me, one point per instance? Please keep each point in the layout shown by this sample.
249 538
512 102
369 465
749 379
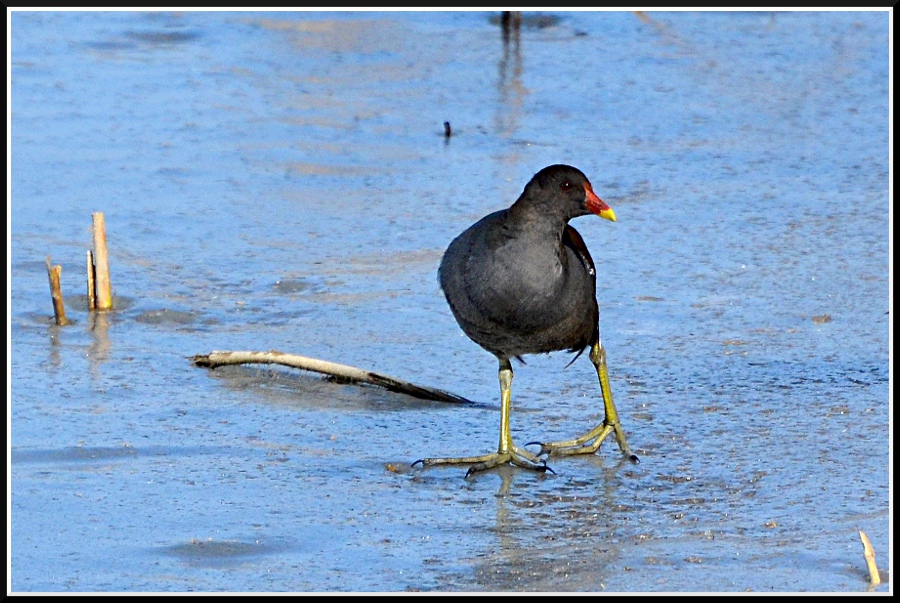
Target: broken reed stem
59 309
91 292
103 289
342 372
869 554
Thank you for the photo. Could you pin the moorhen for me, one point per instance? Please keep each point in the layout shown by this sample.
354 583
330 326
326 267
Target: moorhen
521 281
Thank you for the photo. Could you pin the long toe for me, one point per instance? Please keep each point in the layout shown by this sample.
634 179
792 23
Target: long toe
589 443
518 457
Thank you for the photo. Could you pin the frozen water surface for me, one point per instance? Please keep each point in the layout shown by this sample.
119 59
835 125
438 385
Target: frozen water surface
282 181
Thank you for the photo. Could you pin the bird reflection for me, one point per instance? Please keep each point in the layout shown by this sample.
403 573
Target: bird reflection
510 88
576 521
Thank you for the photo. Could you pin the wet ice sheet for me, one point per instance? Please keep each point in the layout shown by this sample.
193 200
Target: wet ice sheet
281 181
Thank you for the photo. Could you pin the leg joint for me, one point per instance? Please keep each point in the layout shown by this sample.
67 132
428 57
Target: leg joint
598 354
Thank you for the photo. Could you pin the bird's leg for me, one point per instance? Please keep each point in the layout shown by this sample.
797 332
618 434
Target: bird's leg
507 452
591 441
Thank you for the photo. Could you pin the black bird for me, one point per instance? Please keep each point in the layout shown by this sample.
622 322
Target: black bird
521 281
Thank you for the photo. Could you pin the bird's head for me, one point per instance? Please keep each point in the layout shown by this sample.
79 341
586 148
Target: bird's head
565 188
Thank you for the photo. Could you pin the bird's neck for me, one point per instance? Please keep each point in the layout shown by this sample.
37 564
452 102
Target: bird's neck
540 220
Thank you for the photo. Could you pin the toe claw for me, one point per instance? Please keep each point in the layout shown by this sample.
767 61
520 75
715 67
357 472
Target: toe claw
543 450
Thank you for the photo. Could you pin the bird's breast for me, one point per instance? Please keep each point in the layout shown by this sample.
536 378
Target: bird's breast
516 296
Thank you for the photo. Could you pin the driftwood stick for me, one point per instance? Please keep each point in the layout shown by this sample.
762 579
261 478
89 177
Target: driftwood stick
341 371
869 554
91 290
101 264
59 308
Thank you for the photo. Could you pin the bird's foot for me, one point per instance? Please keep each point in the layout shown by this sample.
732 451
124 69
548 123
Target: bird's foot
520 457
588 443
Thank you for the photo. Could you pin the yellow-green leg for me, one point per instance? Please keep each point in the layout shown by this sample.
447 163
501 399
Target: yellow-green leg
590 442
507 452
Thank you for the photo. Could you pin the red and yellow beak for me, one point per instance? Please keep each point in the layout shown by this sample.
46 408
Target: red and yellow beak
596 205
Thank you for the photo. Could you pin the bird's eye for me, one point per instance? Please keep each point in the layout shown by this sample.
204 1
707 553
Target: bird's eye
566 185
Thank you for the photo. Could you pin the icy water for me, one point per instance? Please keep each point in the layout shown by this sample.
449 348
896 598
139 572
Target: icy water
282 181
